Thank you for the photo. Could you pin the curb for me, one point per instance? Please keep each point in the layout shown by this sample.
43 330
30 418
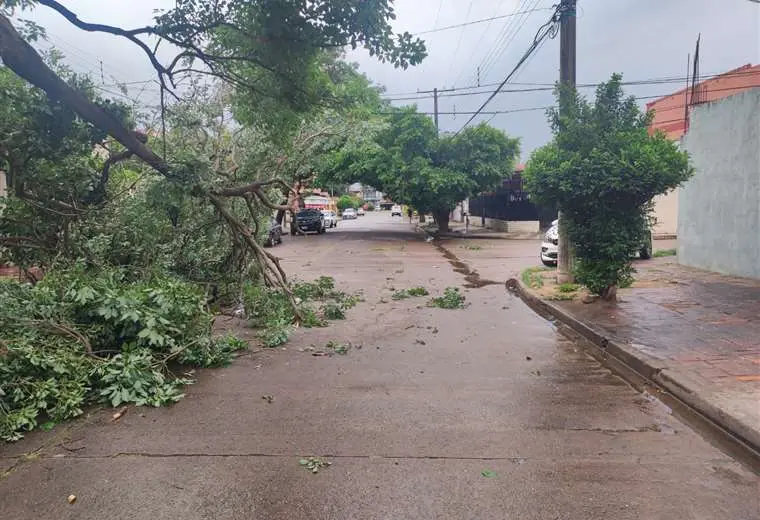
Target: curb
654 370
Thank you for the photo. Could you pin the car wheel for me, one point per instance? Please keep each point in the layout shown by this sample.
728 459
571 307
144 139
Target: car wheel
646 251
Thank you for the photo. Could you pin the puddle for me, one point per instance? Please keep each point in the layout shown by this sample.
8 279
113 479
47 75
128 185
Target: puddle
471 276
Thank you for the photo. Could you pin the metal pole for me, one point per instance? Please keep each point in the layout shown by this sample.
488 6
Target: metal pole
567 78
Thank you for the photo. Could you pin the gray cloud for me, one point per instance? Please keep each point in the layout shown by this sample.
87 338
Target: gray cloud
642 39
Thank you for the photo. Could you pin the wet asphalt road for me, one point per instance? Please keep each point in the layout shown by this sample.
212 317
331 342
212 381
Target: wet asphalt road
486 412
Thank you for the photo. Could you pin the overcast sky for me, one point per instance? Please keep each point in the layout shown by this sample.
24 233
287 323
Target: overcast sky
643 39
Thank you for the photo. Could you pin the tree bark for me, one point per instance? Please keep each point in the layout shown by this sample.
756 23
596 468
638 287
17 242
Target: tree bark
22 59
442 219
610 293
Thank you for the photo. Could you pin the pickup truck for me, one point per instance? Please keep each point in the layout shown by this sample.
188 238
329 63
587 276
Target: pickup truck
309 220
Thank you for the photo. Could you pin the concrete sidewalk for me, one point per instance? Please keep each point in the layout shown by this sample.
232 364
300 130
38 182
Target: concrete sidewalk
694 332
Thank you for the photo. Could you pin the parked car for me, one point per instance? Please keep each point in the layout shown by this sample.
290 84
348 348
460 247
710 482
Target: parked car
349 214
274 236
549 246
309 220
331 219
395 210
360 212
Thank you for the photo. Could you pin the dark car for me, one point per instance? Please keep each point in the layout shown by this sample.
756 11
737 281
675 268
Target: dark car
309 220
274 235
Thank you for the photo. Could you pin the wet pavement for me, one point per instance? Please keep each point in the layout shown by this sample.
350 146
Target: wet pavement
484 412
699 327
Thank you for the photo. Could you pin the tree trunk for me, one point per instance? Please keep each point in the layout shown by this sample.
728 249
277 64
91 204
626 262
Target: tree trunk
610 293
22 59
442 219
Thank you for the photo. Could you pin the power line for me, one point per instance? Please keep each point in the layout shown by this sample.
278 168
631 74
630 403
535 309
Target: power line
487 68
437 15
538 87
459 41
549 29
477 45
482 20
503 36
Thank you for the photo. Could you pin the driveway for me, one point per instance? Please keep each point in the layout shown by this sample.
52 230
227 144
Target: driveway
481 413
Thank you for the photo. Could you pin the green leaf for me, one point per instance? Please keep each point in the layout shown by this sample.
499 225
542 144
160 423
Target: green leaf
487 473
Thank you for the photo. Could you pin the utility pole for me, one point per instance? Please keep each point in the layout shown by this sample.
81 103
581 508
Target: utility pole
435 106
567 79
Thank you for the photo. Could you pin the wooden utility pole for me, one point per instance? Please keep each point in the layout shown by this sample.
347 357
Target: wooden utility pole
567 79
435 106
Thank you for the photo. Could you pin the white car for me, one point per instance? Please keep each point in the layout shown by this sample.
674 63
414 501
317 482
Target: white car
360 212
396 210
550 248
331 219
349 214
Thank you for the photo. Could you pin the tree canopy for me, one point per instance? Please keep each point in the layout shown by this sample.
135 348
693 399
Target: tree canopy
403 156
142 228
602 170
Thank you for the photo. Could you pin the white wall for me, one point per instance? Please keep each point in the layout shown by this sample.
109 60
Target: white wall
719 208
666 213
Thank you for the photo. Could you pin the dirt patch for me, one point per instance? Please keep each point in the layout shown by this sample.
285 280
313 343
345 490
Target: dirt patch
471 276
543 282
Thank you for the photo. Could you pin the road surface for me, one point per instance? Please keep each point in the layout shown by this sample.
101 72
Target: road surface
481 413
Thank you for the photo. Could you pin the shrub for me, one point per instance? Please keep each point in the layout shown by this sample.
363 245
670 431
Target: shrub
602 170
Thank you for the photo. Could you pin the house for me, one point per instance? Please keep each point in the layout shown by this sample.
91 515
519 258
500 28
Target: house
371 195
671 117
508 208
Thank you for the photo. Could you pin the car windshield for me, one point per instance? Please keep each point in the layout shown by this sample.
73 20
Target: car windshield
351 210
308 213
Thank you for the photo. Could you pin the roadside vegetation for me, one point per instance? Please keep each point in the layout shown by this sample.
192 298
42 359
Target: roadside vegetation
616 168
132 226
452 299
413 292
665 252
317 303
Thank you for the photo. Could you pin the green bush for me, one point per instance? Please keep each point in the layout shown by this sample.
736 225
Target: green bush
602 170
347 201
82 336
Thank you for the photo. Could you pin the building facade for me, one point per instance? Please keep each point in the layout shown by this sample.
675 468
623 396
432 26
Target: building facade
671 116
719 208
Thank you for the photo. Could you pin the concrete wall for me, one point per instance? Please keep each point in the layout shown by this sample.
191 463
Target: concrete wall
666 213
3 187
506 226
719 208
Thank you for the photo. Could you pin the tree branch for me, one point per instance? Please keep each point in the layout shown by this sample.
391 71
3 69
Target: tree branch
22 59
